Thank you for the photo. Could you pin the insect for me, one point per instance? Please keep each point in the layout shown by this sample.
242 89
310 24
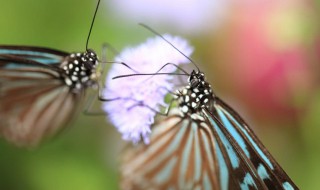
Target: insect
41 88
202 144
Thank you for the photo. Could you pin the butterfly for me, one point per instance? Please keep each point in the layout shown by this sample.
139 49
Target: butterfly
41 88
201 144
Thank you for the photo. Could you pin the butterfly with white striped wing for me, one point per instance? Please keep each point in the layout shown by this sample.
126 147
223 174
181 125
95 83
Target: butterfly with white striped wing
41 88
204 144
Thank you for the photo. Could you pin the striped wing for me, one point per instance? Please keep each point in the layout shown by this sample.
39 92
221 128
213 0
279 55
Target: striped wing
218 153
180 156
34 101
261 171
32 55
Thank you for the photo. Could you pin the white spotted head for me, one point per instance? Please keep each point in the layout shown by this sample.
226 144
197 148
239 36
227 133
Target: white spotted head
196 95
80 69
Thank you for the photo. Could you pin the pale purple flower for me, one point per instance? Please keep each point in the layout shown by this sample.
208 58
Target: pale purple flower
132 120
184 15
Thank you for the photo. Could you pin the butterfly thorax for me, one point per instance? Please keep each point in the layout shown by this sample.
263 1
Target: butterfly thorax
196 95
80 70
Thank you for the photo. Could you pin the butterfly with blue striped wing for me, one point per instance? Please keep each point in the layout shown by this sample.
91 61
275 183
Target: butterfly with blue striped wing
203 145
41 88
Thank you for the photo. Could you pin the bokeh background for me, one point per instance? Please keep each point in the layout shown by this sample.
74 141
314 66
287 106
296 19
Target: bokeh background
262 57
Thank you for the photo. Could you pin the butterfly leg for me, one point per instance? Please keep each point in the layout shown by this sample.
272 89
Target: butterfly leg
137 103
141 104
104 50
92 99
167 109
90 103
88 110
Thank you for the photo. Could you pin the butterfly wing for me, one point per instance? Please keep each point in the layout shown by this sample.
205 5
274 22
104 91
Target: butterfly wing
34 101
180 156
38 55
260 166
205 153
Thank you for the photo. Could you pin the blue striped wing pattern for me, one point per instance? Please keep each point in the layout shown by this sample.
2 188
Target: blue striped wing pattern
212 150
29 54
34 102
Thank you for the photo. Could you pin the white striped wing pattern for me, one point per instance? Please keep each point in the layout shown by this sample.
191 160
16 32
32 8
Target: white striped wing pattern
217 152
35 103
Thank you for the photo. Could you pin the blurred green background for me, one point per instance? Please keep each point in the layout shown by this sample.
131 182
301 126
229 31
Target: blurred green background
261 57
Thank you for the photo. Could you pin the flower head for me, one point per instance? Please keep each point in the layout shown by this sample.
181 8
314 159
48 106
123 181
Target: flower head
139 97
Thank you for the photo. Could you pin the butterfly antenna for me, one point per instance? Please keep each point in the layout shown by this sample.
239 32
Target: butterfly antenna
92 22
148 74
156 33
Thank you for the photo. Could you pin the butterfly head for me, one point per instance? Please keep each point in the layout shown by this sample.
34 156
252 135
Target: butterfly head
89 59
196 95
196 79
80 69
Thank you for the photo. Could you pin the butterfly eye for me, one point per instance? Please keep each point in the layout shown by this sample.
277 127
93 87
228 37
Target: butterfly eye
89 59
194 82
201 78
91 54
